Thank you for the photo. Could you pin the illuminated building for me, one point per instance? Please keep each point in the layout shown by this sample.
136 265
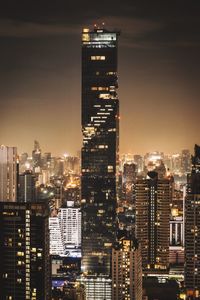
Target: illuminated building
129 177
70 223
177 235
97 287
185 161
65 231
36 155
24 251
153 198
26 187
100 118
192 229
8 173
126 270
56 239
138 159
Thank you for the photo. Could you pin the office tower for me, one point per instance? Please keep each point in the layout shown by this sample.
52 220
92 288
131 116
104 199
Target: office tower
153 197
26 187
138 159
100 118
24 251
185 161
70 223
46 160
129 177
36 155
126 269
8 173
56 238
97 287
176 163
65 231
192 229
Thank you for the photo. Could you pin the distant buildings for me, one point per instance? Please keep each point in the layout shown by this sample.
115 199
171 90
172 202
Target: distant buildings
153 197
100 128
126 270
24 251
8 173
192 229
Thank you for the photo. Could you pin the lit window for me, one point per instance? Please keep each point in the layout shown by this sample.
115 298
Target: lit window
98 57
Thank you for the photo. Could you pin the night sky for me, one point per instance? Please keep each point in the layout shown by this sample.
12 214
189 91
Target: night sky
159 72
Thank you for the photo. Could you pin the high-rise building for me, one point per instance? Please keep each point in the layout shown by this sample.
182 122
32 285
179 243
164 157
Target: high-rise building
97 287
100 119
126 270
56 238
24 251
153 198
185 161
70 223
192 229
36 155
8 173
129 178
26 187
65 231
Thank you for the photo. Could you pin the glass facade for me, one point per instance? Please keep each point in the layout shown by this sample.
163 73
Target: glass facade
100 128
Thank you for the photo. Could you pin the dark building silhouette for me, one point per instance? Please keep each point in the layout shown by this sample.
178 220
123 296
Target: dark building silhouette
192 229
36 154
26 187
153 198
129 178
126 269
100 118
24 251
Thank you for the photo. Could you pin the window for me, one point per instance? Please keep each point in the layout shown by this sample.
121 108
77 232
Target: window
98 57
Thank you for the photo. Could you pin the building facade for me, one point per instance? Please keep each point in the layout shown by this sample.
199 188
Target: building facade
126 270
26 187
153 197
100 119
192 229
24 251
96 287
8 173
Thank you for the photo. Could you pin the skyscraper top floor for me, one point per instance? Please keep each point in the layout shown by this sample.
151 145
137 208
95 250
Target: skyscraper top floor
99 37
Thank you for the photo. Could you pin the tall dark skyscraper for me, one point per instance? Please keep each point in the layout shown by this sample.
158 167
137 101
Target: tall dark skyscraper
24 251
26 187
192 229
100 128
153 197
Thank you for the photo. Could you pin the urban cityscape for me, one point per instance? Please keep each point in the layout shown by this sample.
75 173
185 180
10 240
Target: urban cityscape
100 224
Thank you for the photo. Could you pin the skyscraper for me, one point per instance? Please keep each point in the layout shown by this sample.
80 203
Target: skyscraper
153 197
8 173
24 251
126 270
100 128
192 229
26 188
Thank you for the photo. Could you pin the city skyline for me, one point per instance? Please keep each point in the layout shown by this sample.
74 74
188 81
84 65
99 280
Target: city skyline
158 65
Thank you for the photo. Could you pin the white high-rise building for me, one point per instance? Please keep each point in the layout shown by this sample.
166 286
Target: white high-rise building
65 231
56 240
70 223
8 173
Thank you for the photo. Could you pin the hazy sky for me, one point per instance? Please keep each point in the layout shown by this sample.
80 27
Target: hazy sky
159 72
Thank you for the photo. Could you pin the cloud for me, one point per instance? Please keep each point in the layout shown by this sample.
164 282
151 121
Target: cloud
22 29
